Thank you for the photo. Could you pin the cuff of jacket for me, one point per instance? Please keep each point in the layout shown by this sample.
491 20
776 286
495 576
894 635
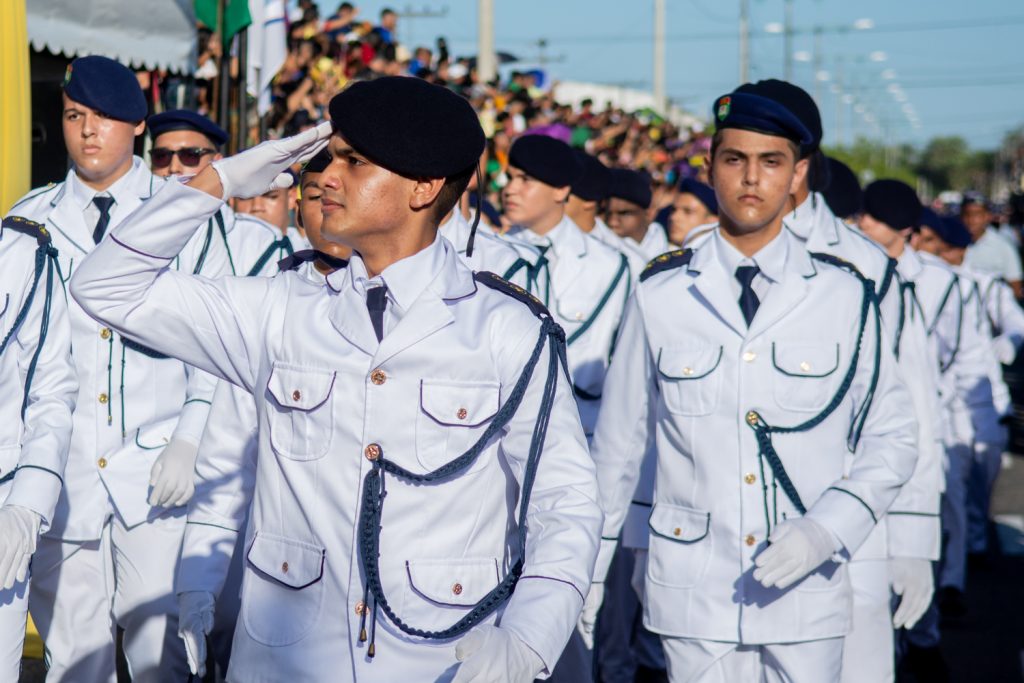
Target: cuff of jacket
206 552
914 535
37 489
846 516
542 613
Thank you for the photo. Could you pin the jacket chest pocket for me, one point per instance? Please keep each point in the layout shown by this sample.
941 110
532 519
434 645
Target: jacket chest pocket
451 418
804 375
690 378
300 412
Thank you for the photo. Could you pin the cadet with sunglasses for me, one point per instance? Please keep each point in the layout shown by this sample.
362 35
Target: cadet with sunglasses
138 420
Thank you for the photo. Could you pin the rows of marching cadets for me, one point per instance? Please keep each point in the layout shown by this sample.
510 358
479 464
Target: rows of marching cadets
345 430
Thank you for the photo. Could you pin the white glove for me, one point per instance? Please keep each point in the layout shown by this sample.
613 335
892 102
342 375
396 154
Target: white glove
495 655
639 578
195 621
173 476
19 531
796 548
588 617
912 579
261 169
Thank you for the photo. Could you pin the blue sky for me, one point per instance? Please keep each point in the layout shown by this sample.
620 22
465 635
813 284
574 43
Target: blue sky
957 67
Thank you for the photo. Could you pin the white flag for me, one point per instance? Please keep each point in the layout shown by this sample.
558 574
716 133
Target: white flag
267 48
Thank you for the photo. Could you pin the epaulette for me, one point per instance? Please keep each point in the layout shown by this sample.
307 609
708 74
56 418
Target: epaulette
36 231
667 261
833 260
515 291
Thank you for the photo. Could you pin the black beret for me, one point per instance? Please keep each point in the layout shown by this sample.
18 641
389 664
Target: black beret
318 163
893 202
955 233
592 185
747 111
795 99
633 186
409 126
930 219
184 119
843 194
705 193
110 88
548 160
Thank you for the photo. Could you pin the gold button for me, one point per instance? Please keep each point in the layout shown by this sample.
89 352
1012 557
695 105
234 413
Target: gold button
372 451
749 357
805 366
102 462
360 608
103 398
378 377
284 567
457 589
296 395
749 478
462 413
105 333
687 371
750 540
677 532
752 418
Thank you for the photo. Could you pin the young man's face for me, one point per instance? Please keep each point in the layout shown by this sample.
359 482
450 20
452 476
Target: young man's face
927 240
627 219
753 175
188 145
529 202
274 207
100 147
976 217
882 234
689 213
954 256
310 217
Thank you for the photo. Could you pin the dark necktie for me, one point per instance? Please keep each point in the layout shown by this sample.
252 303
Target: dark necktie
376 302
748 299
103 204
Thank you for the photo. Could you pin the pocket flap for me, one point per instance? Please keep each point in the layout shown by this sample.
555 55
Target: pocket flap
678 523
290 562
805 360
300 388
459 404
691 362
462 582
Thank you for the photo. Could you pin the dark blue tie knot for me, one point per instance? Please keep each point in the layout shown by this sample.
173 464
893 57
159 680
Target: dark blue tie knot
748 298
376 302
103 203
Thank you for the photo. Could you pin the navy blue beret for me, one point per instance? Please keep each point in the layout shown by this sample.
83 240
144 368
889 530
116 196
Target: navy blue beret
548 160
184 119
318 163
705 193
592 184
893 202
633 186
748 111
410 127
795 99
110 88
956 233
843 194
930 219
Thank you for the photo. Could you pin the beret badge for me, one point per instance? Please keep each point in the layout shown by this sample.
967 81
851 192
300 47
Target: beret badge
724 105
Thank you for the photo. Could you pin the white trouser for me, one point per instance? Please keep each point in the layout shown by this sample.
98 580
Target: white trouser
707 661
80 591
954 518
13 609
984 469
868 651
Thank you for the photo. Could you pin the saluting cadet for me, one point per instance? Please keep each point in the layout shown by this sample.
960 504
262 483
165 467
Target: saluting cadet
628 215
694 206
401 461
138 420
184 143
39 389
779 422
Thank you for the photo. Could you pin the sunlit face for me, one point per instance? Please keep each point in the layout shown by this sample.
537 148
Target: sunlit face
274 207
311 217
176 141
927 240
100 147
976 217
626 219
890 240
529 202
688 214
753 175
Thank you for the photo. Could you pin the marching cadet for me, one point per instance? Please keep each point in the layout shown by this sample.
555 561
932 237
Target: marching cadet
138 421
39 389
781 358
694 206
483 250
629 216
843 193
401 460
587 196
184 143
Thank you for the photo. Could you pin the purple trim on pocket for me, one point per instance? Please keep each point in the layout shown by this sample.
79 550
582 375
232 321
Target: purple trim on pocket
129 248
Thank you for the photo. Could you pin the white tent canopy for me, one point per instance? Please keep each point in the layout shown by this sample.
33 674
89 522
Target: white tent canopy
151 34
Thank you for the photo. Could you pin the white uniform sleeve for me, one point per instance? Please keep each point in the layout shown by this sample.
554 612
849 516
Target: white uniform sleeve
1009 316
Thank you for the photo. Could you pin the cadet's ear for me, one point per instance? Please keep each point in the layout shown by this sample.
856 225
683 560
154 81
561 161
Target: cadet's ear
424 192
562 194
799 175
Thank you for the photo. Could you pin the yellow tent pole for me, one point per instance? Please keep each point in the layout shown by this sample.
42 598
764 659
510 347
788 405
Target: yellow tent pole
16 112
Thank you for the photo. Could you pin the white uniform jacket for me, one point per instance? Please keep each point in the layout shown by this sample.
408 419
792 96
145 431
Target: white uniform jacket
130 404
490 253
655 243
254 246
703 378
333 405
37 376
912 527
590 283
1002 313
538 273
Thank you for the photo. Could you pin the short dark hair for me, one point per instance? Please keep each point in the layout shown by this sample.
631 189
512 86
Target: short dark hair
716 140
386 11
451 191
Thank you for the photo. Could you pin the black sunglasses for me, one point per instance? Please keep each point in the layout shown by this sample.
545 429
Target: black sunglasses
189 156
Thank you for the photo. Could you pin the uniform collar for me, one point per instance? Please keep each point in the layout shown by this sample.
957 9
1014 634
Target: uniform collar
124 190
909 264
455 230
771 259
813 217
653 244
564 239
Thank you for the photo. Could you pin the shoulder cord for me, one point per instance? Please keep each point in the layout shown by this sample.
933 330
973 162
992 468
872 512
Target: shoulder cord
582 393
764 431
205 250
219 217
903 288
944 367
513 270
278 245
623 269
374 493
